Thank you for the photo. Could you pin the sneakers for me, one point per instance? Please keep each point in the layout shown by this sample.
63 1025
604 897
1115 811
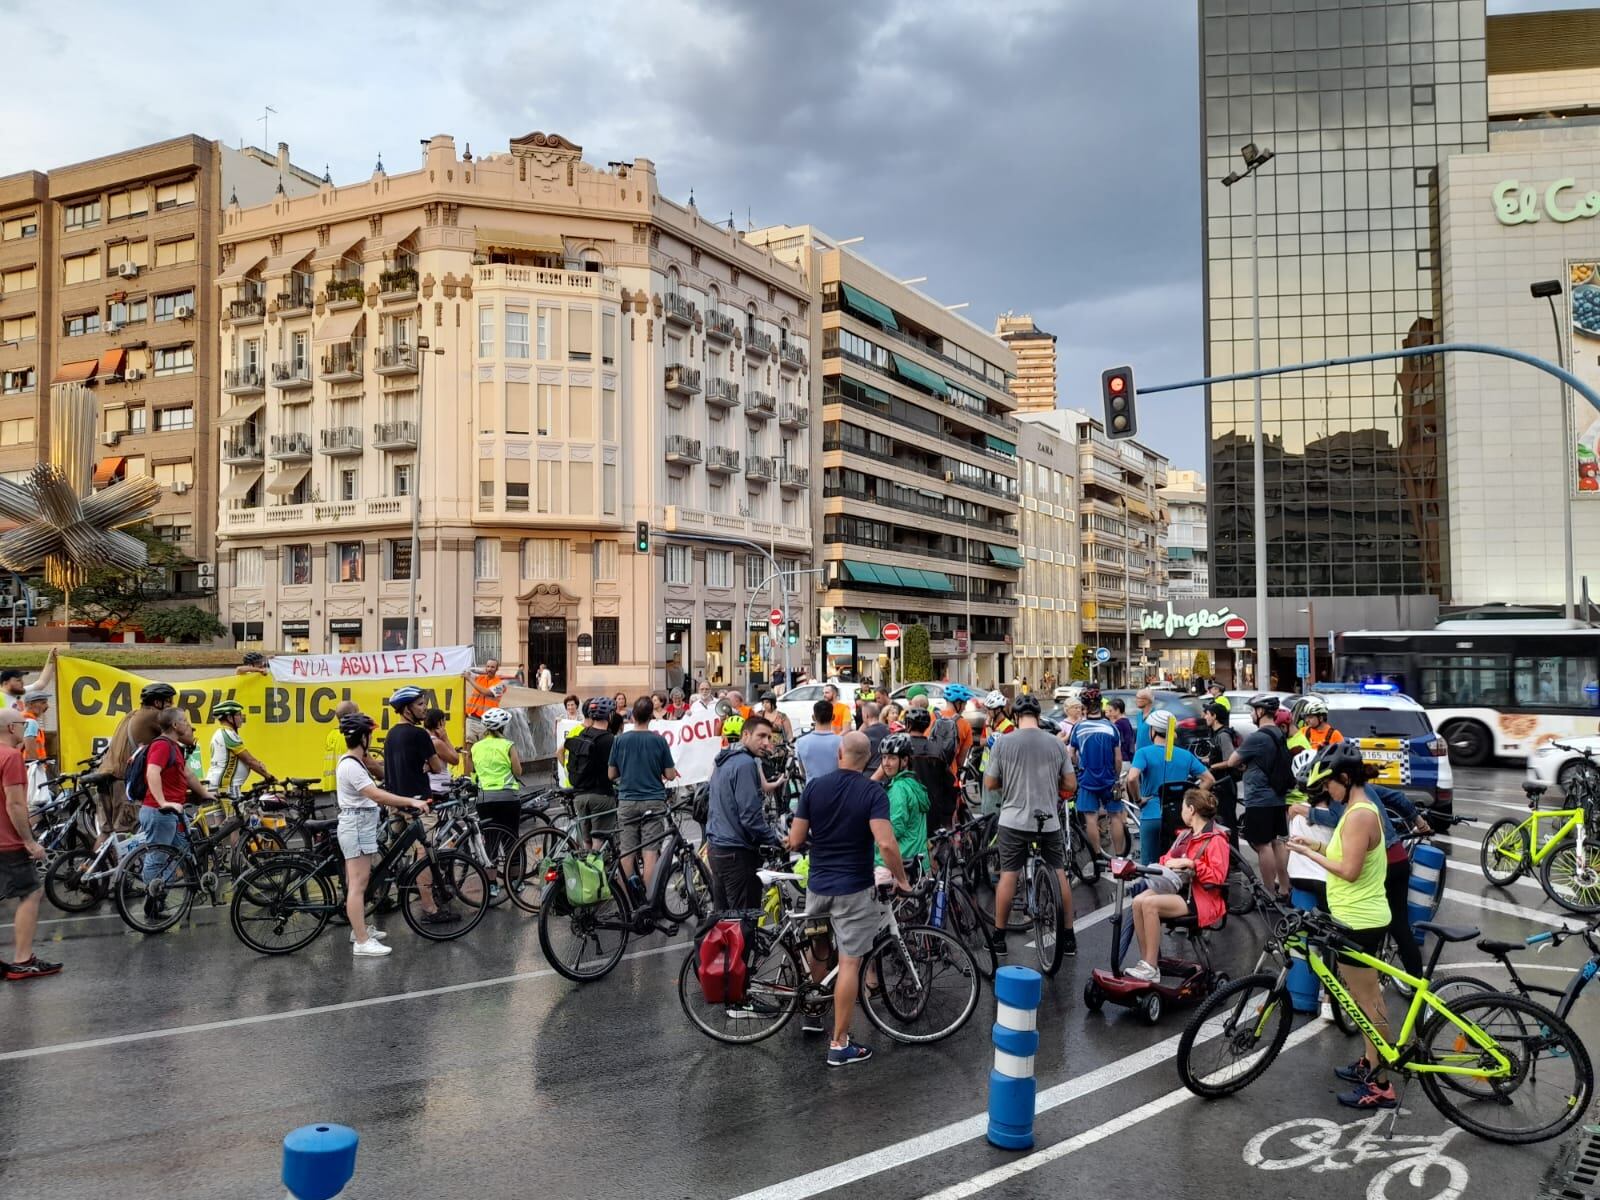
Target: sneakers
812 1023
371 948
1069 942
741 1012
34 968
440 916
848 1054
1144 972
1370 1095
997 943
373 934
1357 1072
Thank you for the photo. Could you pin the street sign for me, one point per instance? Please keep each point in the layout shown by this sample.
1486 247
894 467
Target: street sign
1102 655
891 634
961 643
1330 645
1302 660
775 617
1235 629
1235 643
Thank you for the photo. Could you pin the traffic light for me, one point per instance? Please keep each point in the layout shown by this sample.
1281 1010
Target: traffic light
794 632
1116 389
744 654
641 537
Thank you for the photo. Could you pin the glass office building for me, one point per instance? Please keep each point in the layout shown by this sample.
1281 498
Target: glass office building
1361 102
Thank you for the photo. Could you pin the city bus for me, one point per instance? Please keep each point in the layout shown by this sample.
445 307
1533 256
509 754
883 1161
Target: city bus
1501 687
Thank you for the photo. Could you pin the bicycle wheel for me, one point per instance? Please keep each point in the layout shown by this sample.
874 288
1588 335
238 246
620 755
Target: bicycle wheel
1454 988
159 903
526 861
253 845
688 892
1504 853
1234 1036
1081 858
772 996
1571 879
1046 904
961 917
452 882
65 885
1020 919
281 906
582 943
1548 1089
926 985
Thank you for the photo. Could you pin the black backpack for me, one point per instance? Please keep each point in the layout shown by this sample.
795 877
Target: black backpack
1281 773
579 750
135 783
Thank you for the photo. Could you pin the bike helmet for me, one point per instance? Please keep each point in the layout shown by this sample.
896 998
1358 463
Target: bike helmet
1310 706
733 726
600 708
1025 706
254 659
404 697
1090 699
157 691
355 724
226 708
496 719
1262 702
1158 722
1301 766
958 693
897 744
1335 758
918 720
994 700
769 697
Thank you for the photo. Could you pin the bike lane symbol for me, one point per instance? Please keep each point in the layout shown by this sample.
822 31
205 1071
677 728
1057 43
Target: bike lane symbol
1318 1144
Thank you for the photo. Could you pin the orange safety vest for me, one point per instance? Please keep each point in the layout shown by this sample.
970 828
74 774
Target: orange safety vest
477 703
1329 735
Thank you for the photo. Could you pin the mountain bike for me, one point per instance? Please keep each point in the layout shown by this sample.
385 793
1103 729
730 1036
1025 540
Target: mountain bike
1036 905
945 903
159 882
1564 999
1568 859
1498 1065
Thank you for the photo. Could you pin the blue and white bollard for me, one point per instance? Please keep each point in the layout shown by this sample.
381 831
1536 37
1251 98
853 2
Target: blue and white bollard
318 1160
1017 991
1422 893
1305 993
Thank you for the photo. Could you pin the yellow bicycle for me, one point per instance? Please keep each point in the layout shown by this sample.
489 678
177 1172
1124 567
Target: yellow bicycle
1567 859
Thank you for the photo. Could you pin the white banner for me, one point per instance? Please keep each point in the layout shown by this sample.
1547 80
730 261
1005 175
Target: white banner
695 742
386 664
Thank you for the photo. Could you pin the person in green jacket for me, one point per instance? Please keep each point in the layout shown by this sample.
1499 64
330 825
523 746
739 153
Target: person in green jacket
908 801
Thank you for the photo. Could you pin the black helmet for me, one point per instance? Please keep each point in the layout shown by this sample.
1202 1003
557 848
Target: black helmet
1090 698
405 697
767 697
1264 703
600 708
897 744
918 720
1335 758
1027 705
355 724
254 658
157 691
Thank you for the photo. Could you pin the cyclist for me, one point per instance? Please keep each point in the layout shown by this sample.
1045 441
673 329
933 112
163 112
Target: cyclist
571 710
782 731
1157 766
1265 759
737 829
841 719
932 771
359 798
873 725
231 763
594 802
951 727
1223 742
1310 717
818 748
254 663
1127 738
333 745
1356 867
168 782
1199 860
408 759
484 690
1144 703
493 761
1032 773
19 852
641 766
996 727
908 801
137 730
1098 755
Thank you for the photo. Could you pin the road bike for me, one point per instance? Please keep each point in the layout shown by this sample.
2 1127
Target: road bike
1568 860
918 984
1498 1065
1318 1145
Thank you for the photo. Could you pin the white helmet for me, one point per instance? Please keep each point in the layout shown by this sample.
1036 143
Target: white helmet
1158 722
995 700
496 719
1313 706
1301 765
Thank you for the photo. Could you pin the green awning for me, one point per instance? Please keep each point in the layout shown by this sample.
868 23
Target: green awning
920 375
870 573
1005 555
910 577
937 581
1000 444
866 306
1180 552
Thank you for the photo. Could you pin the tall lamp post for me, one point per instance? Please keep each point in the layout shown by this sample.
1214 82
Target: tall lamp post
1254 159
423 346
1549 289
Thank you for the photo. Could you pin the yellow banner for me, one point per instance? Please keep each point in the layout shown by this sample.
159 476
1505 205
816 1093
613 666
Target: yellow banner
286 724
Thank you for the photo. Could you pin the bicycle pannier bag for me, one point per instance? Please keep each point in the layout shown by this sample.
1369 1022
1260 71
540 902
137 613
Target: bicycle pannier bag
584 877
721 969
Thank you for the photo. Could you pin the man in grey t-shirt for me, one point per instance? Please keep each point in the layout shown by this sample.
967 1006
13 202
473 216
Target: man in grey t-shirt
818 750
1031 771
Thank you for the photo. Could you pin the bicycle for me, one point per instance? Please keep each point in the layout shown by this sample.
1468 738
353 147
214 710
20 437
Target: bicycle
1477 1058
904 978
949 905
1565 998
284 902
1037 903
78 879
460 829
1569 867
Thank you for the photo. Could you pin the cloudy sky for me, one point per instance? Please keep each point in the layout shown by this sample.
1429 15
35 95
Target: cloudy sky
1033 155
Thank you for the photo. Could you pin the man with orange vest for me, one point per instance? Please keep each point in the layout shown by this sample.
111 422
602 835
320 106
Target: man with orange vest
483 693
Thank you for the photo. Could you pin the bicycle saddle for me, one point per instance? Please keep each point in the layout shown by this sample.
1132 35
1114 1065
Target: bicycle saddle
1449 933
1491 946
321 826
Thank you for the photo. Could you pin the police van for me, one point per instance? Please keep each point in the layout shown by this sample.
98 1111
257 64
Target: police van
1395 735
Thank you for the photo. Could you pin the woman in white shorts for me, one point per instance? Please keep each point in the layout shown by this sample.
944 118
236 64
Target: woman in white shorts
359 798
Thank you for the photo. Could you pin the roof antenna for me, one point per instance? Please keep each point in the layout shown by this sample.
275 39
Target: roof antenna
691 197
265 119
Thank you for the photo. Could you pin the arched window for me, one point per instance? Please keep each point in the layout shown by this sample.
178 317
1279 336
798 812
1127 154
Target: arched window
783 333
673 281
592 262
750 320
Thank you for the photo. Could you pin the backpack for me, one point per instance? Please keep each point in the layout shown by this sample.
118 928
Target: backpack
578 751
134 782
944 735
583 877
1281 774
721 961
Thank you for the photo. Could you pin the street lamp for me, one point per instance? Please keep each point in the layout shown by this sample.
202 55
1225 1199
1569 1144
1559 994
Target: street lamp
1549 289
1254 159
423 346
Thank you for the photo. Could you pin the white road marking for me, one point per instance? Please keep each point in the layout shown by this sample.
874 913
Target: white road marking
150 1035
1489 964
1505 907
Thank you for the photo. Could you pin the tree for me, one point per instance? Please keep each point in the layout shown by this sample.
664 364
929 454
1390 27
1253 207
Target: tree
1080 663
117 598
184 623
1202 666
917 661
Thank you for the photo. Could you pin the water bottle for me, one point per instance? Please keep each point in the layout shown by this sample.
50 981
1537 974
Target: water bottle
936 918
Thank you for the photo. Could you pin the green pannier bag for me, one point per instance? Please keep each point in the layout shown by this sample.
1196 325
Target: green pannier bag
584 876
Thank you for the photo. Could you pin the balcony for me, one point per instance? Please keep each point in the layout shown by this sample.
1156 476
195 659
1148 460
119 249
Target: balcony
722 460
793 416
681 449
243 381
678 310
683 381
343 293
761 405
250 311
382 510
791 357
719 327
399 284
394 435
760 468
547 279
296 303
341 362
758 344
341 441
394 360
242 452
723 392
290 447
289 376
794 477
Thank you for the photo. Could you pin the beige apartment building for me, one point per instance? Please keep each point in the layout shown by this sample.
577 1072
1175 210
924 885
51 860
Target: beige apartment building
918 509
105 280
1035 385
1048 626
540 353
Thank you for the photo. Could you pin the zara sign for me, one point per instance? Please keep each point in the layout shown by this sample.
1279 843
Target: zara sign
1191 623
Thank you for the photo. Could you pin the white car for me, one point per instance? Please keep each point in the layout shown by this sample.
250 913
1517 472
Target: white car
1239 717
1553 762
796 703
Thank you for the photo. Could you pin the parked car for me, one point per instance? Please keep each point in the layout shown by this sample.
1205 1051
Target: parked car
1239 708
1185 708
796 702
1554 761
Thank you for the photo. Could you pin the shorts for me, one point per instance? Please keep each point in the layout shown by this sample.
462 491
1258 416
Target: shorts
1264 823
855 918
640 822
1368 941
596 812
500 810
1093 800
1013 846
112 809
475 730
358 831
19 878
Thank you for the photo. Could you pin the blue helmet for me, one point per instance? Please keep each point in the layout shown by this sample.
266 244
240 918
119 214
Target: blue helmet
958 693
405 697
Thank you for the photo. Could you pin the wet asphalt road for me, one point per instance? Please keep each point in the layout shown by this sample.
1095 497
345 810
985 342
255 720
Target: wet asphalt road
172 1066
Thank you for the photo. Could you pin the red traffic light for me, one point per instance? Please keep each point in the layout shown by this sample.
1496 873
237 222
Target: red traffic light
1117 393
1118 385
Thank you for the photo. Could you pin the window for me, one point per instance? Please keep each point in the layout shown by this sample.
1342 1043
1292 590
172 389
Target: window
549 486
719 568
81 268
297 564
16 228
128 312
680 565
248 567
545 416
300 353
397 558
516 333
16 432
605 562
19 279
486 332
486 559
608 413
485 638
170 419
248 634
80 323
19 329
18 381
608 339
175 360
85 214
402 480
517 405
607 641
175 253
138 419
171 195
174 529
350 562
167 306
170 473
580 424
518 480
546 328
545 558
580 334
350 484
608 489
755 571
134 202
